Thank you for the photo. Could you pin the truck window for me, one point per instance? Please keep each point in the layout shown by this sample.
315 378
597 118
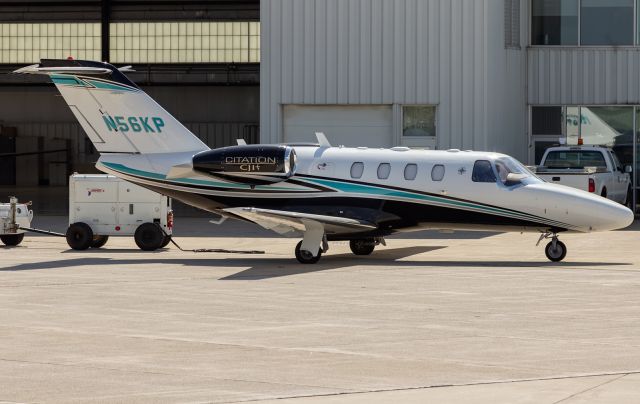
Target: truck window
483 172
574 159
616 162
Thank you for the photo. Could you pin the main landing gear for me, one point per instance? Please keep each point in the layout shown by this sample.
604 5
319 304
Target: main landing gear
555 250
305 255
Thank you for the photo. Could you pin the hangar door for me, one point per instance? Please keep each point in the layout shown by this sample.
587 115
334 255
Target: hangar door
349 125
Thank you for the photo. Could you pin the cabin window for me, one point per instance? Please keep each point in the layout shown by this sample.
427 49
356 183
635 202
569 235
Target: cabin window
384 169
357 169
410 172
483 172
437 172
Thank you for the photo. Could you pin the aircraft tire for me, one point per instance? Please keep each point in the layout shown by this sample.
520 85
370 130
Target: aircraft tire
165 241
557 254
305 257
79 236
148 237
99 241
12 239
362 246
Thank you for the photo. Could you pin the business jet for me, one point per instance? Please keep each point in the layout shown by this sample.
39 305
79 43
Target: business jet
318 192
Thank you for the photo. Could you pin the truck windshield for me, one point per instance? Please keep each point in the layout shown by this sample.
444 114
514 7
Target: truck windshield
574 159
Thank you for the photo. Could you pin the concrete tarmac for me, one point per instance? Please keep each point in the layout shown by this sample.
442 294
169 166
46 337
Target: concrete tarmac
467 318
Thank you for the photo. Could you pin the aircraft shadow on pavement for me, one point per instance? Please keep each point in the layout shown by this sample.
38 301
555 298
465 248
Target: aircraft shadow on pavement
260 267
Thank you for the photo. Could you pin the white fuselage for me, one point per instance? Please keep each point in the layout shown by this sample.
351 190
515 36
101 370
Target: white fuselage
539 206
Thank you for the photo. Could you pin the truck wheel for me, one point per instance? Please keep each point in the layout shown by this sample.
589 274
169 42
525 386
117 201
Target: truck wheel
165 241
148 237
99 241
628 202
12 239
604 193
79 236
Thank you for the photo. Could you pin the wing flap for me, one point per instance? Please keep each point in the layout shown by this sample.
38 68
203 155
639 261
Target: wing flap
295 223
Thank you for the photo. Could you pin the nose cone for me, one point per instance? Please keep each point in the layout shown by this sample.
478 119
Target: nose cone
595 213
613 216
583 211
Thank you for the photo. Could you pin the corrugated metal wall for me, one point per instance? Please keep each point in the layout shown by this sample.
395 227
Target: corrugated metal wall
583 76
445 52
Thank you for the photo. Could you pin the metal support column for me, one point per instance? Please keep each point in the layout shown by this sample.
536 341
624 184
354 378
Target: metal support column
105 18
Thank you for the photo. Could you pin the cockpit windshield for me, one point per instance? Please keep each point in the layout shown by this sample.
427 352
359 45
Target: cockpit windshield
519 173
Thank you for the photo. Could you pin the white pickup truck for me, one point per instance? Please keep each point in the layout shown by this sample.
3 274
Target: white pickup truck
594 169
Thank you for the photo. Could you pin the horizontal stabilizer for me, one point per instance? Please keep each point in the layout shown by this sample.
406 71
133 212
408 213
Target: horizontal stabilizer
36 69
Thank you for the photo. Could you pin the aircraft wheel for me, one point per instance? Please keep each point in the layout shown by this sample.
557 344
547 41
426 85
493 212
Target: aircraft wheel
556 254
306 257
148 237
362 246
99 241
12 239
79 236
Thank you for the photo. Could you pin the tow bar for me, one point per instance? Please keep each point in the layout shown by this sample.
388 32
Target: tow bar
210 250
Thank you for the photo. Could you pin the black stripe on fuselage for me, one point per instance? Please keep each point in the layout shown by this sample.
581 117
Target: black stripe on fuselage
409 190
389 215
353 207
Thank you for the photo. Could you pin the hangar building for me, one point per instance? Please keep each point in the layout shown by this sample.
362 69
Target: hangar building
198 59
513 76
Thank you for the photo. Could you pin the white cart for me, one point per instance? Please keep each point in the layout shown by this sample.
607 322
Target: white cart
13 216
103 205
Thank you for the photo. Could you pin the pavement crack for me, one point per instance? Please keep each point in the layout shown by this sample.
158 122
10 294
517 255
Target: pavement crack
592 388
437 386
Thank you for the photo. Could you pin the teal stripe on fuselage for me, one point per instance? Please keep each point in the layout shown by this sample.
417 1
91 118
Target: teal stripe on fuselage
342 186
381 191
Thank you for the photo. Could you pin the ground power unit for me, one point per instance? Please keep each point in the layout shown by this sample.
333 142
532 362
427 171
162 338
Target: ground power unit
13 217
102 205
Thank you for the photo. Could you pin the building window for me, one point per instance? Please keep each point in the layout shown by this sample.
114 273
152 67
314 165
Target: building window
606 22
384 169
601 22
546 121
357 169
483 172
612 126
185 42
554 22
410 172
437 172
418 120
28 43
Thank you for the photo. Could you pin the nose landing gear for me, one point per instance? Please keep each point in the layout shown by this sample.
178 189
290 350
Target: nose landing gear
555 250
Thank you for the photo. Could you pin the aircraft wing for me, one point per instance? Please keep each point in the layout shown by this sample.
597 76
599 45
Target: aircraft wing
295 223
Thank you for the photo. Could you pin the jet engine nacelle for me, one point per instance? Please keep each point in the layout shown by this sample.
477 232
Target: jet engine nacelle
251 164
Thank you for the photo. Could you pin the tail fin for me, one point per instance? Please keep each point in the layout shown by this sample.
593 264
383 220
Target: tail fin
116 114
